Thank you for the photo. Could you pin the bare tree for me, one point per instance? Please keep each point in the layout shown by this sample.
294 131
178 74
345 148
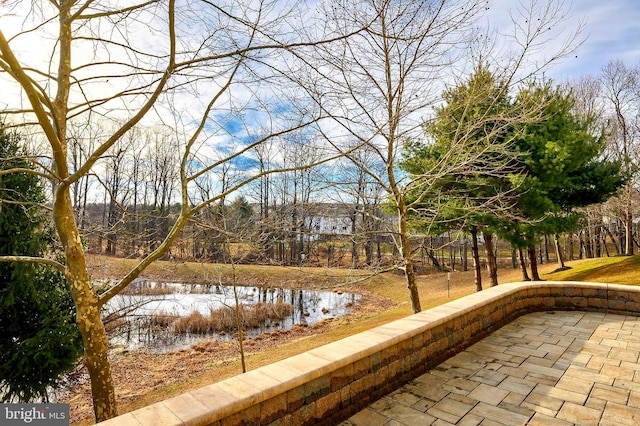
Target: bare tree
362 196
163 158
621 92
381 85
192 65
118 190
135 206
81 138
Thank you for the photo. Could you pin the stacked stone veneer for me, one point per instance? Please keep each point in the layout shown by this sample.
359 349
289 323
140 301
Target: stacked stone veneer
332 382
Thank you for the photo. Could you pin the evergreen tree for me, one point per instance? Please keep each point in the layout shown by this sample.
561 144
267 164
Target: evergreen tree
39 339
564 169
477 123
564 162
546 164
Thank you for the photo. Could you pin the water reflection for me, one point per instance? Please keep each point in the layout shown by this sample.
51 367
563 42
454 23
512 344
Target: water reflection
129 316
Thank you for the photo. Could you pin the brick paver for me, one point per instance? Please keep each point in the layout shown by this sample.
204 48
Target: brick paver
548 368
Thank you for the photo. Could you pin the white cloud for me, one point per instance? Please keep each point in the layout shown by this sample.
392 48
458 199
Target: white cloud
612 31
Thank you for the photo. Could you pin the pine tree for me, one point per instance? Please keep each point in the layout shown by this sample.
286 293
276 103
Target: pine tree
39 339
471 133
564 169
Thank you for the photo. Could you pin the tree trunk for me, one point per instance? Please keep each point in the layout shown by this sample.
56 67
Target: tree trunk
412 286
523 265
355 260
452 255
368 252
475 253
588 244
491 258
354 254
532 258
628 249
465 253
94 336
546 248
613 240
597 239
405 252
570 236
540 254
559 255
434 260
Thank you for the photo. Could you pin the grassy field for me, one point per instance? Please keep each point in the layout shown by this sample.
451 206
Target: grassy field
386 295
619 270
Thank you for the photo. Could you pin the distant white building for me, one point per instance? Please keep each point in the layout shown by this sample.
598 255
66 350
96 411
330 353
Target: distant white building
327 225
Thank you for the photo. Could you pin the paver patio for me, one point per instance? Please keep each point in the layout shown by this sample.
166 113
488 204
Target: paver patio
547 368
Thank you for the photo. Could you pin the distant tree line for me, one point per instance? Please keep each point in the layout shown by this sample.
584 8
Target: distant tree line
544 178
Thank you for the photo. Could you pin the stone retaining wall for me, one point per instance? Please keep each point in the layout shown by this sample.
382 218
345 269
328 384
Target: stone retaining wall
329 384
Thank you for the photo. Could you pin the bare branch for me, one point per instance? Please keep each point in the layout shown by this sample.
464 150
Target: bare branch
37 260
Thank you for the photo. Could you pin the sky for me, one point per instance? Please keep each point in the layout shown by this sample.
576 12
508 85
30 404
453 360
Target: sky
612 31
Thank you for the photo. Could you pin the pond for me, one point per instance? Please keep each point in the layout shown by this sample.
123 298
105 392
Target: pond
130 318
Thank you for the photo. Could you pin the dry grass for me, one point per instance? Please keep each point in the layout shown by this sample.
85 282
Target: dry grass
193 323
163 319
223 320
103 267
147 290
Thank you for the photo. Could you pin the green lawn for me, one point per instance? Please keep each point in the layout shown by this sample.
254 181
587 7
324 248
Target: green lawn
619 270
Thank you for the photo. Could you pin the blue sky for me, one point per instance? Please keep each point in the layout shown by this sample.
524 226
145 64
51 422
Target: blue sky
612 31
